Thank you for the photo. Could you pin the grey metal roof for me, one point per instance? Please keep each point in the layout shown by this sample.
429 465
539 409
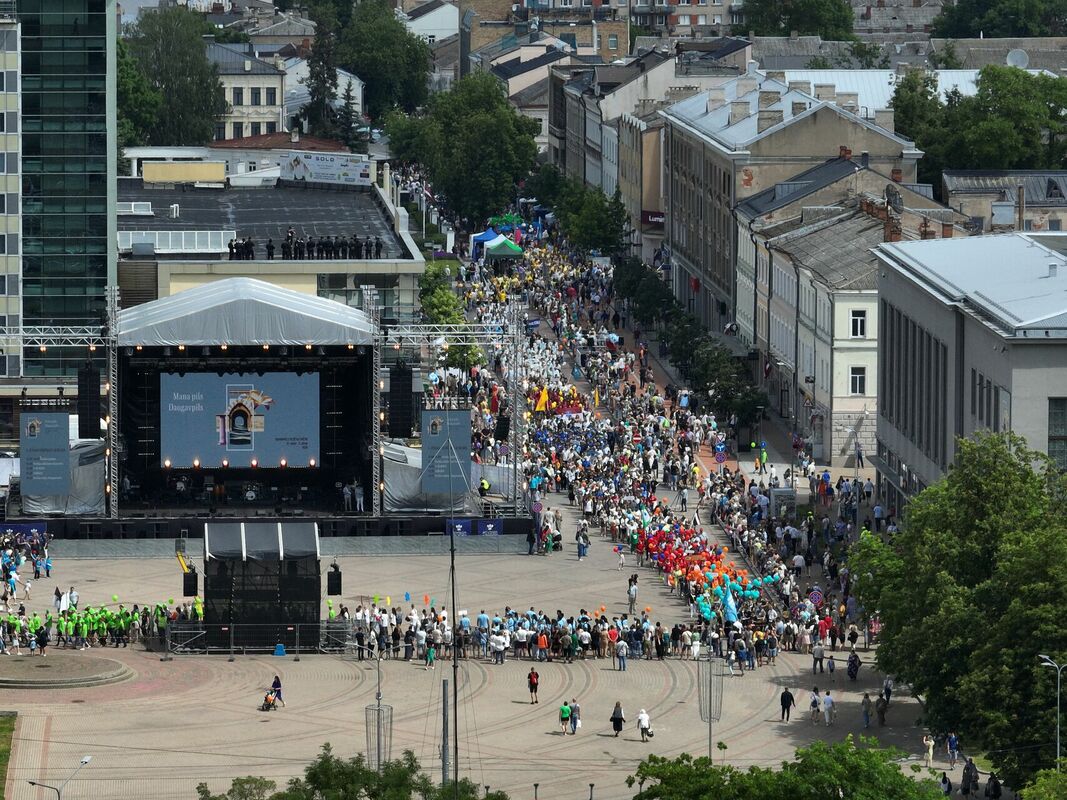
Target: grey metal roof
516 66
536 94
838 251
1041 187
423 9
230 60
798 186
715 124
286 26
1024 301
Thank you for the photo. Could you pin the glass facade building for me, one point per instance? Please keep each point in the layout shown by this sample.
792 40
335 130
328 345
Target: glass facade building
68 186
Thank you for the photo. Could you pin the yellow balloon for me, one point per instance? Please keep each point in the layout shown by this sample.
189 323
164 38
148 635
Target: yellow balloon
388 600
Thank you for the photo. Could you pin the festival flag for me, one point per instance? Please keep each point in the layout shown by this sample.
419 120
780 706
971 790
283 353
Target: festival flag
729 606
596 398
542 401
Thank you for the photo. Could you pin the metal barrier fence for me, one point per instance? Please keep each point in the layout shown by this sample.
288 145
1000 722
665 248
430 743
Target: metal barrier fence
290 639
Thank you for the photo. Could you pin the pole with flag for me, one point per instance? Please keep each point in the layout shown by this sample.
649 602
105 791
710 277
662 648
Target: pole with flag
542 400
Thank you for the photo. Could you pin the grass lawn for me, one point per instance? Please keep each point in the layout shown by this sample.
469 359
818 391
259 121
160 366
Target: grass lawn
7 729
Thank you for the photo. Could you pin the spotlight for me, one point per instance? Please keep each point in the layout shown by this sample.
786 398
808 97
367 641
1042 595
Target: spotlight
283 463
92 348
166 463
351 347
225 462
196 463
381 416
181 347
223 347
43 348
139 348
266 347
255 463
307 347
107 488
311 463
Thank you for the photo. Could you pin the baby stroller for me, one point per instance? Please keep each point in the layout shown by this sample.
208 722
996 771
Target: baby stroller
269 701
557 542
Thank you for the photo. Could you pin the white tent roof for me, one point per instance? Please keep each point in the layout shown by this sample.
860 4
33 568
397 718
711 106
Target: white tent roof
242 311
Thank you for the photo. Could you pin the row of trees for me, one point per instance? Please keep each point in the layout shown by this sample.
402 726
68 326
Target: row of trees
474 147
589 219
970 592
857 770
163 56
1014 121
442 306
706 364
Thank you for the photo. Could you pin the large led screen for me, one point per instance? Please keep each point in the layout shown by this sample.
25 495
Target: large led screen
239 418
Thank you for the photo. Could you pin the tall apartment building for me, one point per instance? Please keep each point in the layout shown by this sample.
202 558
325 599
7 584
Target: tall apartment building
68 128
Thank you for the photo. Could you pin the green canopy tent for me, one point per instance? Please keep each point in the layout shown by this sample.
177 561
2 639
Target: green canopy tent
502 248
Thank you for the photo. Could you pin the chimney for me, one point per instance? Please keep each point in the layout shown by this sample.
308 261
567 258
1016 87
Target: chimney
768 98
739 109
926 230
800 86
1020 223
776 75
865 159
891 230
1052 269
885 118
799 107
248 65
844 152
768 118
793 35
946 230
850 101
825 91
746 84
294 135
897 175
716 98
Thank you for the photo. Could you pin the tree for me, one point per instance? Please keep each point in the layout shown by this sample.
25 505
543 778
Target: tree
348 118
1048 784
545 185
170 53
322 73
391 61
830 19
820 771
138 103
970 592
330 776
995 19
474 145
947 58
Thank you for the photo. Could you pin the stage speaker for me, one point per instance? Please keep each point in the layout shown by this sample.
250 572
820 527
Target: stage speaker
190 584
88 402
333 582
503 427
401 402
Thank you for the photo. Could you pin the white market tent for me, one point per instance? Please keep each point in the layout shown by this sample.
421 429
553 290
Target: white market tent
242 311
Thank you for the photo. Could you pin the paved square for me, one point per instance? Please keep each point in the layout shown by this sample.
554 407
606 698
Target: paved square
195 718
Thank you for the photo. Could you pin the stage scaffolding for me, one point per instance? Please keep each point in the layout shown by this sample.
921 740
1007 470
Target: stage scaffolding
491 338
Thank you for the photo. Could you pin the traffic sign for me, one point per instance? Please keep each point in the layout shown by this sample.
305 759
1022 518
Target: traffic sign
720 447
720 457
537 507
816 598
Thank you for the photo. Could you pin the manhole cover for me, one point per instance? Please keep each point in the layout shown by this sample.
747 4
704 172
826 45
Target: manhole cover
77 701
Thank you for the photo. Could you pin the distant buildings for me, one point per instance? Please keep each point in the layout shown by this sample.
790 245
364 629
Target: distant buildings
1003 200
255 90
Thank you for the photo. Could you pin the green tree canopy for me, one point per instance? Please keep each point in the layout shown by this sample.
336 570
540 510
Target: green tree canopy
591 220
334 778
391 61
970 592
322 73
819 772
996 19
169 51
138 102
1048 784
473 144
830 19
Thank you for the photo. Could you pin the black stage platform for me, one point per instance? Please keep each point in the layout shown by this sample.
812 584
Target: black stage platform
162 527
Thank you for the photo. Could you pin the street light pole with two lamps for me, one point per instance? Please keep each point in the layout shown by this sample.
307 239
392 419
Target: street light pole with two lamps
59 789
1048 662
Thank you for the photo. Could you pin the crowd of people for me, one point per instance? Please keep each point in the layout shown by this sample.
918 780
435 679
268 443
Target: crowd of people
299 248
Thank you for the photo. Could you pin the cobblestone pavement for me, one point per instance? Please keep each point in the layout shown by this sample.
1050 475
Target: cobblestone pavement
195 718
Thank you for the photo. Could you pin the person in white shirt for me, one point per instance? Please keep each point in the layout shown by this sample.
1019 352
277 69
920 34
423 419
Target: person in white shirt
644 725
828 710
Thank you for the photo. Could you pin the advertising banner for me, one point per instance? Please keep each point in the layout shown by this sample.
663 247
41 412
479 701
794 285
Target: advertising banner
490 527
238 418
458 527
44 454
446 451
345 168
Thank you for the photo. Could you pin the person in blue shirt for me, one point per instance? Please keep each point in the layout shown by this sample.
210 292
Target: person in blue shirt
483 621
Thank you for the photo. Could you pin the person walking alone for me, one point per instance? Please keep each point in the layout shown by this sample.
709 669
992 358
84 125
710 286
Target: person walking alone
618 719
928 747
532 680
788 702
644 725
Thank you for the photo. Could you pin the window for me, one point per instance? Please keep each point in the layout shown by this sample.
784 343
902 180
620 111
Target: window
256 98
857 380
238 96
220 131
255 128
272 96
859 324
431 38
981 399
1057 430
974 392
272 127
613 41
683 19
238 130
1054 225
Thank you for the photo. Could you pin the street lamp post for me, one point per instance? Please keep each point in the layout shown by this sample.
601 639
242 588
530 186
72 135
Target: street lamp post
1048 662
59 789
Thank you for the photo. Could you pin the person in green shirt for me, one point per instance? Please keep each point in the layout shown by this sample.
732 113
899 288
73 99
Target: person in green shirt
565 717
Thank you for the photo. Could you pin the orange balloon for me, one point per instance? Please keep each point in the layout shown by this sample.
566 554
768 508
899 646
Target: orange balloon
648 609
